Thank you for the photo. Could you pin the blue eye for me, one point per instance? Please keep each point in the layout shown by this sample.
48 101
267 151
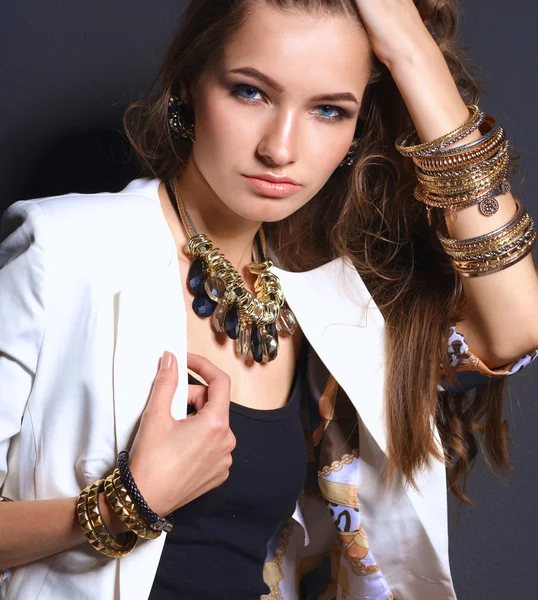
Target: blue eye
329 112
246 92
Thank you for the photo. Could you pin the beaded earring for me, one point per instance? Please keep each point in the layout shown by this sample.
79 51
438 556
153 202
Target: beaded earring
180 123
351 155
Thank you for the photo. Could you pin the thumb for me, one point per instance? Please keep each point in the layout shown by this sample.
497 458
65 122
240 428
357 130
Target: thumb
164 385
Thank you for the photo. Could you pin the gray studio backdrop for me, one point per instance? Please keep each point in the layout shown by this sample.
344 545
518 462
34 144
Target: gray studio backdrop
69 68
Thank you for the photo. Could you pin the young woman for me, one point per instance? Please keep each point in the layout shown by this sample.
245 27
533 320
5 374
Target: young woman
325 236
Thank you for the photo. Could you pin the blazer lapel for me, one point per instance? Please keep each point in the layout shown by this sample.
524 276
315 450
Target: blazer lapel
346 329
150 318
406 528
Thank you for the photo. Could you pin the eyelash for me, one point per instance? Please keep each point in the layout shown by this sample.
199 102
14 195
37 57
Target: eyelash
236 92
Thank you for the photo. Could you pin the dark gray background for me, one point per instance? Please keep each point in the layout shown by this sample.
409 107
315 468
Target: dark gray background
68 69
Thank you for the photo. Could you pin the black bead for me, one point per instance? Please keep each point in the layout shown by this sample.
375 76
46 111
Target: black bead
231 322
203 306
271 330
256 343
196 276
271 348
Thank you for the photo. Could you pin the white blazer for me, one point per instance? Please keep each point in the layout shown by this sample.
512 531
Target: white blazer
90 297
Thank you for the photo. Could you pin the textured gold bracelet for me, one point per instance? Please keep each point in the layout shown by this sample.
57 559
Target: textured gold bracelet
124 507
461 157
493 245
475 119
467 270
468 184
519 215
444 178
88 528
94 514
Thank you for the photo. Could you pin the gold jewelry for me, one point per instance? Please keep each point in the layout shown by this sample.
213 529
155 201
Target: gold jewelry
253 321
474 121
124 507
493 251
94 528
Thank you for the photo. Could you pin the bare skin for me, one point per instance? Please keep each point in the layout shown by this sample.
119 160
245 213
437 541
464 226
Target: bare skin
286 132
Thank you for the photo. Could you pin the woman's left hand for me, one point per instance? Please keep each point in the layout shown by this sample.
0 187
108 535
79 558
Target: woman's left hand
395 29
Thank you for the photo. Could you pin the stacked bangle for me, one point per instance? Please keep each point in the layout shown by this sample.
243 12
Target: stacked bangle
493 251
94 528
125 509
475 173
459 177
125 499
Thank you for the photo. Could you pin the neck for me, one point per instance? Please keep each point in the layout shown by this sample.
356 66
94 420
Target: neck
232 234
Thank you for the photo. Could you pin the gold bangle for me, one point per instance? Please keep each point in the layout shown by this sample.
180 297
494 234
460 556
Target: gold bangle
495 266
476 117
88 528
492 244
518 216
459 202
99 527
466 184
463 157
125 508
444 178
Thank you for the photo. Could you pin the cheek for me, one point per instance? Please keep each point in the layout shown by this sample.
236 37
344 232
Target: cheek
325 153
223 130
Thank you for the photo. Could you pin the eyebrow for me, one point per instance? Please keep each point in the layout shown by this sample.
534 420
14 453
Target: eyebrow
255 74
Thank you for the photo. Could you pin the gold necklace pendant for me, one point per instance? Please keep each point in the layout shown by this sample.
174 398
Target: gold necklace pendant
253 321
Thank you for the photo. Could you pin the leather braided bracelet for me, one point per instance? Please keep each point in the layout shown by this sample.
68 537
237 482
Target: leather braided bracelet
155 522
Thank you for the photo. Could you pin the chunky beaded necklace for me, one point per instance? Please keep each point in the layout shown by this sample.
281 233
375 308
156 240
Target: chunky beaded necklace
253 321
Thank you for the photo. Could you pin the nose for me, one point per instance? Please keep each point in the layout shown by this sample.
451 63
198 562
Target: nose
280 143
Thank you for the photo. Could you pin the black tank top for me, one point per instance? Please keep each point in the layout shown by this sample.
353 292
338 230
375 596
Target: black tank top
218 546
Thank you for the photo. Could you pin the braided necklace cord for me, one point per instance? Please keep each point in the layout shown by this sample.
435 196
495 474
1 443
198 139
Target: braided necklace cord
254 321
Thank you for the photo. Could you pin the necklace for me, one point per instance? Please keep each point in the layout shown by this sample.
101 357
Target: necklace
253 321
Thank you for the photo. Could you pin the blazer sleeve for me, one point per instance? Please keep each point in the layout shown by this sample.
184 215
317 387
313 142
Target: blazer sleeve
22 314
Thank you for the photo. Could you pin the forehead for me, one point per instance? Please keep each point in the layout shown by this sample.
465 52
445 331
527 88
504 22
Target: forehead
314 51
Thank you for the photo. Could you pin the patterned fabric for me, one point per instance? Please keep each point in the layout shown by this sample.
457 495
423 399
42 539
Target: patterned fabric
342 566
471 370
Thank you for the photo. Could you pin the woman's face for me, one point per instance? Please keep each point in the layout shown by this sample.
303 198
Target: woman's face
283 102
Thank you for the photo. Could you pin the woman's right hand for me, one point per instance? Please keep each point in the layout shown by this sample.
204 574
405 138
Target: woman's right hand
175 461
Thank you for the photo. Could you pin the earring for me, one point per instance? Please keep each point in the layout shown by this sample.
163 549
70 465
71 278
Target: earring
351 155
177 119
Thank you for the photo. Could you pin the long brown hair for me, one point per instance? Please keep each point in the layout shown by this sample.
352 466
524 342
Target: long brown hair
374 221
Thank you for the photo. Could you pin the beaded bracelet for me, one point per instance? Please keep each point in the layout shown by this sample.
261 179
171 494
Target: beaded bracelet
156 522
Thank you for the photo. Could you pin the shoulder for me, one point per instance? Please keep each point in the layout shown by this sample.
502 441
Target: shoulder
89 231
137 201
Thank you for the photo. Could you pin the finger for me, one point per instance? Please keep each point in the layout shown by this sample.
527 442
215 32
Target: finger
164 386
218 393
197 396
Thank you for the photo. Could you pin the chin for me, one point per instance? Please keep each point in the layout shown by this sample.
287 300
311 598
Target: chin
267 210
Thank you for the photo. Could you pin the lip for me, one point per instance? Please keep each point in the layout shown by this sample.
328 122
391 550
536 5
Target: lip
270 185
273 178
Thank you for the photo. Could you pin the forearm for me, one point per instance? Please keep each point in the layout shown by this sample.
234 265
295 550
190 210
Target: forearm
32 530
501 319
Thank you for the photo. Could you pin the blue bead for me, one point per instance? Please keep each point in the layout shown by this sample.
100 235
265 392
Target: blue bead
256 343
203 306
231 322
196 276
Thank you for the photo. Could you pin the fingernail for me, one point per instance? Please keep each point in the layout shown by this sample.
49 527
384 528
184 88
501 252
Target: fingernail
166 361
